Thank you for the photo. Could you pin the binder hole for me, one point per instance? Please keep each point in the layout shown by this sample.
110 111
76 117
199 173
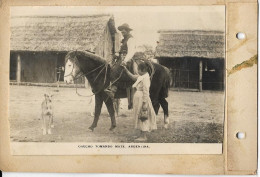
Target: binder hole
241 36
240 135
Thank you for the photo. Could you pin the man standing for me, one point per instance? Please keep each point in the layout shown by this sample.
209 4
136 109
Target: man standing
126 52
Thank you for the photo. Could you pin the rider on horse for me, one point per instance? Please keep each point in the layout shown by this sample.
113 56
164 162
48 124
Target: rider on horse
127 51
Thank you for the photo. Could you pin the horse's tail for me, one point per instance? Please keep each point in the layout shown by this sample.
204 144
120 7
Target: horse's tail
166 84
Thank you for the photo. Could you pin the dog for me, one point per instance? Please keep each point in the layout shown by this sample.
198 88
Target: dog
47 114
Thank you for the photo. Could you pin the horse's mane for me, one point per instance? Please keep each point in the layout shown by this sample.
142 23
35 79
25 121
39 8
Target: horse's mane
73 55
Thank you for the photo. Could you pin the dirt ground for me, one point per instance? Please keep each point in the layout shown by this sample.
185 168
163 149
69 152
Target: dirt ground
195 117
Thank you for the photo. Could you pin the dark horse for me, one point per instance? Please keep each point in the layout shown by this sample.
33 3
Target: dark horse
100 75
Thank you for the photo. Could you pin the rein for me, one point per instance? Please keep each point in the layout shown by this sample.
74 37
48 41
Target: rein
80 74
76 78
94 81
101 87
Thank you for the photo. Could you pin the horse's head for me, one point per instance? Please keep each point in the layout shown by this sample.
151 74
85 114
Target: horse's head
72 70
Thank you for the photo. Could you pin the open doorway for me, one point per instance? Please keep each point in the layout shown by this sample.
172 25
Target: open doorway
13 67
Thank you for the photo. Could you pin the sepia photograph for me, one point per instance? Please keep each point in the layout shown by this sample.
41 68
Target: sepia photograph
147 77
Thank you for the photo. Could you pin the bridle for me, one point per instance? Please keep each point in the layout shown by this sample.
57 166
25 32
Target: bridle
71 74
80 74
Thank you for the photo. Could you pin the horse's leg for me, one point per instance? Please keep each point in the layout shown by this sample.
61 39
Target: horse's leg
98 106
111 111
164 105
156 105
154 95
156 85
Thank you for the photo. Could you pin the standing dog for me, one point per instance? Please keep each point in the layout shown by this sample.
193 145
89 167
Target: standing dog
47 114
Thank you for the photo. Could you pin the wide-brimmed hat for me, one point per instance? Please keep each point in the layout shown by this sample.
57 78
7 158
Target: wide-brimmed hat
124 26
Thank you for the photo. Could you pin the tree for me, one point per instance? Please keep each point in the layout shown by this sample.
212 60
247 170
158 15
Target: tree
145 52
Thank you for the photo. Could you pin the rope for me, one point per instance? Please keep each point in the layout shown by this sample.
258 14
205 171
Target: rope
106 65
95 69
117 78
81 74
94 81
100 73
100 89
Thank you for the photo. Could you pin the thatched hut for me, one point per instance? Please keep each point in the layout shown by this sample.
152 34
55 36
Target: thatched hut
39 43
195 58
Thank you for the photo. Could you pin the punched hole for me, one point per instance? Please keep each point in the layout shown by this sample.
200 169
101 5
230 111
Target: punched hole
241 36
240 135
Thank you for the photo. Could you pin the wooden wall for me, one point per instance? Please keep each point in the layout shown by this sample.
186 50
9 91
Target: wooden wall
38 67
41 67
185 73
105 47
13 67
213 74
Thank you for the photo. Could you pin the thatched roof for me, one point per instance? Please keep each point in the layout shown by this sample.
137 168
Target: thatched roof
59 33
189 43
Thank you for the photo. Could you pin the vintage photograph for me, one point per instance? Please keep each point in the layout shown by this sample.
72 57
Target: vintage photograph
117 74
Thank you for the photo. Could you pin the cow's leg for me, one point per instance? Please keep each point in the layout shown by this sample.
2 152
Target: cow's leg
98 107
110 108
164 105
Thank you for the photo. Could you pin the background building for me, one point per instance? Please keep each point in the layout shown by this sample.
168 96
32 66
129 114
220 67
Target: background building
39 43
195 58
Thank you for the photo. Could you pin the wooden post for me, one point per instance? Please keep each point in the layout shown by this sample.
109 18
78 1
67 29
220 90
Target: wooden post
188 78
200 75
18 69
179 79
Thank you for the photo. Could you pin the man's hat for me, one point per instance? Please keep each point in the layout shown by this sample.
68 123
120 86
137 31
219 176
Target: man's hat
124 26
